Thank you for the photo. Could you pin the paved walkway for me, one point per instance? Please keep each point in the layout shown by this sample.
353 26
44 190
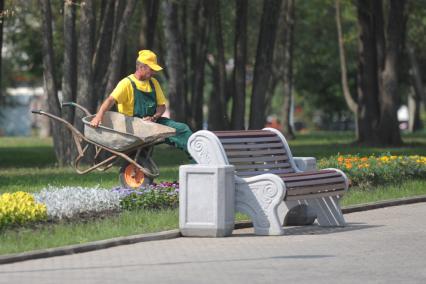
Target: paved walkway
381 246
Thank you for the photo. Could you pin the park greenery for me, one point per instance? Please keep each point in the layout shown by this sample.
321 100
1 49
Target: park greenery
73 210
342 64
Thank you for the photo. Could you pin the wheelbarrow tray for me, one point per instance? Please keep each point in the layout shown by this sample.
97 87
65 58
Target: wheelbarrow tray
123 133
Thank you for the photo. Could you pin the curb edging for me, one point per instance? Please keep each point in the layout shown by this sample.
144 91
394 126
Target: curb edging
91 246
172 234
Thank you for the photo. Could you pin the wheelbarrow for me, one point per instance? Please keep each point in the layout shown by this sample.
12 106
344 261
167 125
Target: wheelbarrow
122 137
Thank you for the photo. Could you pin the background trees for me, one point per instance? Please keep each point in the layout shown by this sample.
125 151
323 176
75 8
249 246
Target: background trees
222 56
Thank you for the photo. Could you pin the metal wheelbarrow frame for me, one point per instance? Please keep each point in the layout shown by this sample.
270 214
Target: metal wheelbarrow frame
121 136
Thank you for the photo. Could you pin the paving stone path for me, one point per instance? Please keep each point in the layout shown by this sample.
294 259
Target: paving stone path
382 246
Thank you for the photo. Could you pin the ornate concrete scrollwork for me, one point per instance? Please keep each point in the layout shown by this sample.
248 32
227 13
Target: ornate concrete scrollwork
200 150
259 197
206 149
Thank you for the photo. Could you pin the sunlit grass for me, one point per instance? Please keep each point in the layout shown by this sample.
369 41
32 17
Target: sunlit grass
28 164
76 232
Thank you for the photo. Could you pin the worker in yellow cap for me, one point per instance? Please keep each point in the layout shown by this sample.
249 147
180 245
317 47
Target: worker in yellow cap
140 94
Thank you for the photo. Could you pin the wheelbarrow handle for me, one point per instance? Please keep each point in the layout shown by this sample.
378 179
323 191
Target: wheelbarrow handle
77 106
59 119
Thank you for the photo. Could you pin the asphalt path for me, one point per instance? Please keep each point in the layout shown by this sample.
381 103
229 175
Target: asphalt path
378 246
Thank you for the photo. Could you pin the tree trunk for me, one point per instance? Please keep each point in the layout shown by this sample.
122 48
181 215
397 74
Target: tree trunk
85 94
199 41
351 103
69 78
102 51
1 48
264 55
174 61
368 90
378 72
240 51
389 100
148 24
288 37
349 99
419 94
113 72
218 119
414 105
50 86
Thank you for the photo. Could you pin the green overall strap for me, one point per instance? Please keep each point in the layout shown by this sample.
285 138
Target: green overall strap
145 103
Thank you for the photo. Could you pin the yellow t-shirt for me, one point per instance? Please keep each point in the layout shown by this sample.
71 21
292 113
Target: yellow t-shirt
124 97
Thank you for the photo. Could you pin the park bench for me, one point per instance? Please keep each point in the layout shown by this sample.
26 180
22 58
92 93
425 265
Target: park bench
269 182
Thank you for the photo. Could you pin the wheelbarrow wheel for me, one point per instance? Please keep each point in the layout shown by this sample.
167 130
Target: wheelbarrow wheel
132 177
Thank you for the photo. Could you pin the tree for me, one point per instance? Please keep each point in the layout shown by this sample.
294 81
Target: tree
69 77
264 55
288 38
174 61
50 85
418 94
380 51
240 55
102 50
148 23
351 103
1 45
218 118
198 52
85 92
121 23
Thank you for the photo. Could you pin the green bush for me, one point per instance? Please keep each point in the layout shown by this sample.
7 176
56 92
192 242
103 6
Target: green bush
156 196
372 171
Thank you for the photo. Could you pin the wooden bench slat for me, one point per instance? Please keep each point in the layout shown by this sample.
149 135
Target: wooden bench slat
262 166
315 189
317 195
313 172
259 159
250 139
252 146
255 173
265 152
314 182
243 133
319 175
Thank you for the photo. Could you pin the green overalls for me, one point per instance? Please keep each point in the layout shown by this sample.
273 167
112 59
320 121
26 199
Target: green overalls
145 104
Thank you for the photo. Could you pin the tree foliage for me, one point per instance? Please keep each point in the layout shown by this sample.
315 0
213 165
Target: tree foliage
202 43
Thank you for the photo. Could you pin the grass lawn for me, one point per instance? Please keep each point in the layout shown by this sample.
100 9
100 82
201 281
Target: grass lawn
28 164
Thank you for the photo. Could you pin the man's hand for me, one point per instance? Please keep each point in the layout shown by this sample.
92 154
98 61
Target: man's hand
150 118
106 105
96 121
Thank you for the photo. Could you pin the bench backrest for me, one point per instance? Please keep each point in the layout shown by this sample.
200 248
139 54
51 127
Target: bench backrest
255 152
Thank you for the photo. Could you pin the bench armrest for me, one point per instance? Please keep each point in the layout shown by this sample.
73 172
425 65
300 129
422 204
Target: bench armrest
305 163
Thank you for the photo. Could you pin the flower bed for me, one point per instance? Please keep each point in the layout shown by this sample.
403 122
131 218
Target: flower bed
19 208
156 196
377 170
69 202
73 202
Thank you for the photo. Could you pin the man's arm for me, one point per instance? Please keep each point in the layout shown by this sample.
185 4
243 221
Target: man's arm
106 105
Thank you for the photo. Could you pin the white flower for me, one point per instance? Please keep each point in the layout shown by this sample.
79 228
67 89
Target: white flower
67 202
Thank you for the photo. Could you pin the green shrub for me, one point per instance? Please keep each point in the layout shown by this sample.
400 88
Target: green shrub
372 171
156 196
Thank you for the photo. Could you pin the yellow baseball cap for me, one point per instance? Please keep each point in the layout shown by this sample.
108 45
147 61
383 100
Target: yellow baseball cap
149 58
